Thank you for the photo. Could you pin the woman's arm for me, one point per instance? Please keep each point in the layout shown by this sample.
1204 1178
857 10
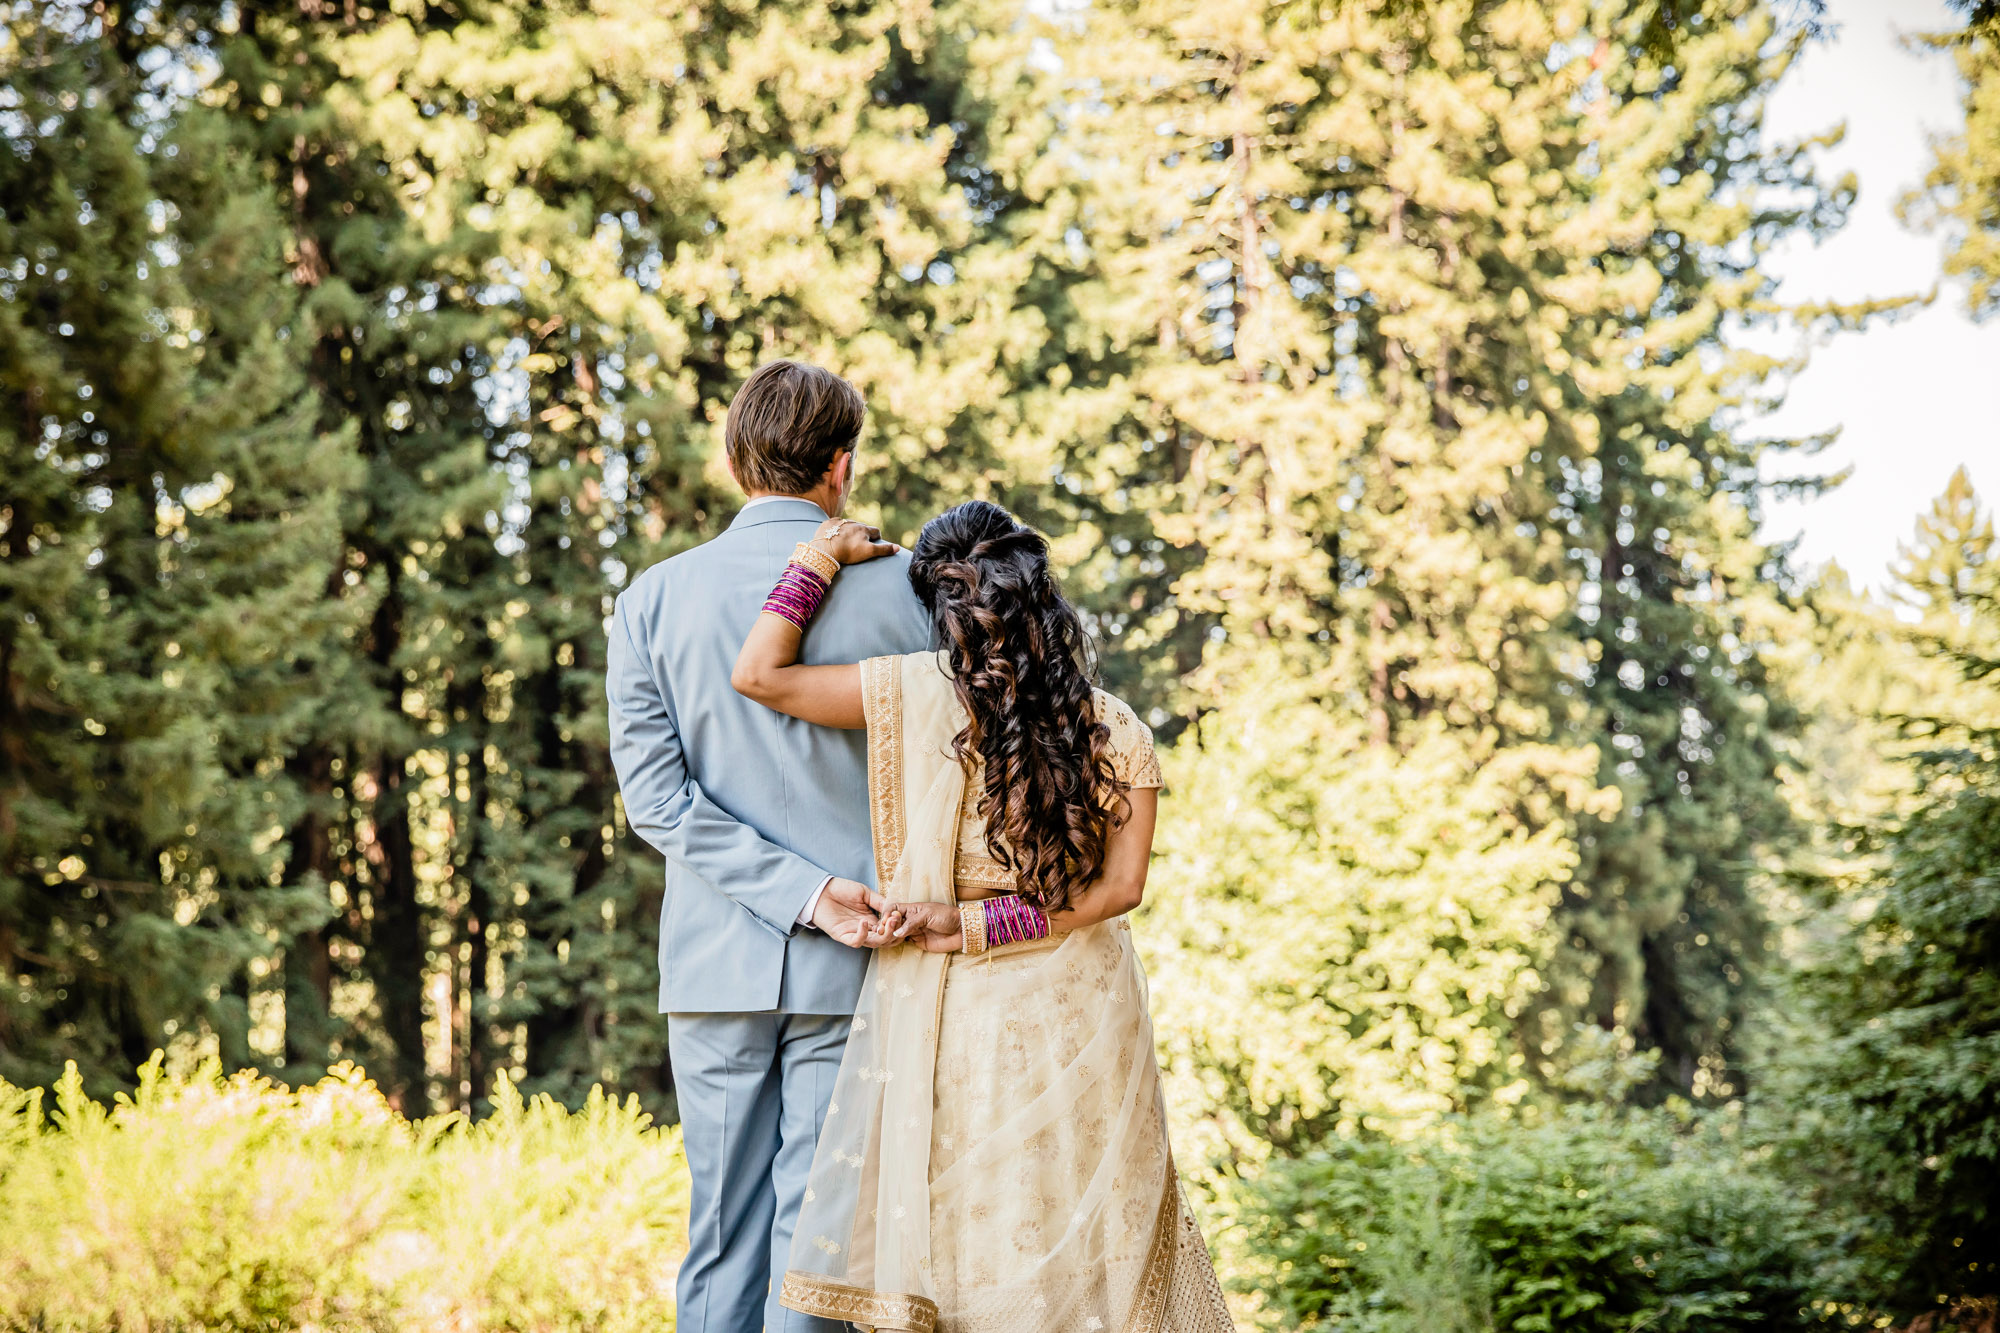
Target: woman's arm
767 669
1119 888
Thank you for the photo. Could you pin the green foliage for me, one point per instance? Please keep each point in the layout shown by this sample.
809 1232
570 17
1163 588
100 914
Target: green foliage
168 516
507 334
1961 192
1420 312
1368 360
1887 1061
200 1201
1584 1221
1339 934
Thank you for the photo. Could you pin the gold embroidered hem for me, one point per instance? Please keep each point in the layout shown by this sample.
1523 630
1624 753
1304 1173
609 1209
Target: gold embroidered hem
1159 1279
1182 1292
870 1309
1194 1296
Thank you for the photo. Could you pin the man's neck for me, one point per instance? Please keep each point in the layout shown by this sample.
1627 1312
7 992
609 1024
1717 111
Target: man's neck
812 498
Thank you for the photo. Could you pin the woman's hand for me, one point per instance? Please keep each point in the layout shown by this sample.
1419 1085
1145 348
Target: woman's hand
850 542
932 927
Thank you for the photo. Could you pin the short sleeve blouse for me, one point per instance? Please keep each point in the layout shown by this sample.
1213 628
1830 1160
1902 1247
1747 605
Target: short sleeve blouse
1133 759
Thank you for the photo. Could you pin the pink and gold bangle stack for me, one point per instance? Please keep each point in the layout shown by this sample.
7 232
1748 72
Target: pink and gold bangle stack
803 586
1014 920
1010 919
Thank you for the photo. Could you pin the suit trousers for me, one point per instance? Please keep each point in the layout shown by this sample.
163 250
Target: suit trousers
753 1089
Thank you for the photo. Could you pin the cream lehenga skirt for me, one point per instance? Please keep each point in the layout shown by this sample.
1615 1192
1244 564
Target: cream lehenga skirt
1054 1203
995 1158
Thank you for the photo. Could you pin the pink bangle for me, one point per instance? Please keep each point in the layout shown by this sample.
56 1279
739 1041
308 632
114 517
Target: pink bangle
1012 919
797 595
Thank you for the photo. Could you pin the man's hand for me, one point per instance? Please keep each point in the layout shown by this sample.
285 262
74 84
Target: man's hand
856 915
932 927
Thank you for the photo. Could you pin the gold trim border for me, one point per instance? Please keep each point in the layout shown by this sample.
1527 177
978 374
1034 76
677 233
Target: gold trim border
1158 1282
981 872
882 708
897 1312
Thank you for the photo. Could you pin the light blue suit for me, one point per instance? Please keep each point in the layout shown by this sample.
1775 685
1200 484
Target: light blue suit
752 810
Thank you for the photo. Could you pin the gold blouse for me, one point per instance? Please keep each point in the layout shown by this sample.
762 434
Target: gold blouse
1133 761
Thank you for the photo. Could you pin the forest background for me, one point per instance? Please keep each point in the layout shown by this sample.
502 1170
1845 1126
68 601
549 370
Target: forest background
1568 914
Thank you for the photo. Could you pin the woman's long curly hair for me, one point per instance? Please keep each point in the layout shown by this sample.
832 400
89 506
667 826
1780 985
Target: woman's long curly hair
1022 666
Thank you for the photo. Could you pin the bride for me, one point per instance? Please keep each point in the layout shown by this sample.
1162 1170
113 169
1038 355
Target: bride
995 1156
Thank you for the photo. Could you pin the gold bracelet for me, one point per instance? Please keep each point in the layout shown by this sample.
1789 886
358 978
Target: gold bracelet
819 562
972 921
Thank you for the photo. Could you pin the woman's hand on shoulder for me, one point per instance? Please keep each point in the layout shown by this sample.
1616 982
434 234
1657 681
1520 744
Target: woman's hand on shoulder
932 927
851 542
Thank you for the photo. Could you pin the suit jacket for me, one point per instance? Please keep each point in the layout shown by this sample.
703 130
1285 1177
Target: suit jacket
752 809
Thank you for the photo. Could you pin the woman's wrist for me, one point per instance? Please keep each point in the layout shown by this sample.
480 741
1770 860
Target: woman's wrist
1008 919
801 587
972 928
815 556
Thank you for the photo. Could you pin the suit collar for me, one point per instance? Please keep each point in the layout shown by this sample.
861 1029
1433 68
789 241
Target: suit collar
778 509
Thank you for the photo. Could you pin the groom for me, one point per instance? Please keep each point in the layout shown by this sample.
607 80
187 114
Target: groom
763 821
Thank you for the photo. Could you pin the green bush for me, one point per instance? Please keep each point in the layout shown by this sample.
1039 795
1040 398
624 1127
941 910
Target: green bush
1584 1221
201 1202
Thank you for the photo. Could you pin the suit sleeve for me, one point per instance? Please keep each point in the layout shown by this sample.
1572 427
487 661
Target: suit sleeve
667 807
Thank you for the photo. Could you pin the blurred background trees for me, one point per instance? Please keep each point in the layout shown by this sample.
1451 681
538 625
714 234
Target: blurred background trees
1371 366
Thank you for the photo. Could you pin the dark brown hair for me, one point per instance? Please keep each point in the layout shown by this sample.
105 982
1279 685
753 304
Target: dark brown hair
787 424
1022 666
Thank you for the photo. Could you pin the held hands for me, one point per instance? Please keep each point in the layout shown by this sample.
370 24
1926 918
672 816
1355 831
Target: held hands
861 918
850 542
932 927
856 915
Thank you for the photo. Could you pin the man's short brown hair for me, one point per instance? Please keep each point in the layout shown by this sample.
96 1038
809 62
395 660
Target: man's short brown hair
787 424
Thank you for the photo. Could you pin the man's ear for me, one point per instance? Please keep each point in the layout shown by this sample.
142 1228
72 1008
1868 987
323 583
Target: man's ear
841 474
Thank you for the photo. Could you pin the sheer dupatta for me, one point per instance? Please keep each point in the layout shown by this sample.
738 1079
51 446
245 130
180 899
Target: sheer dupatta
861 1250
995 1157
